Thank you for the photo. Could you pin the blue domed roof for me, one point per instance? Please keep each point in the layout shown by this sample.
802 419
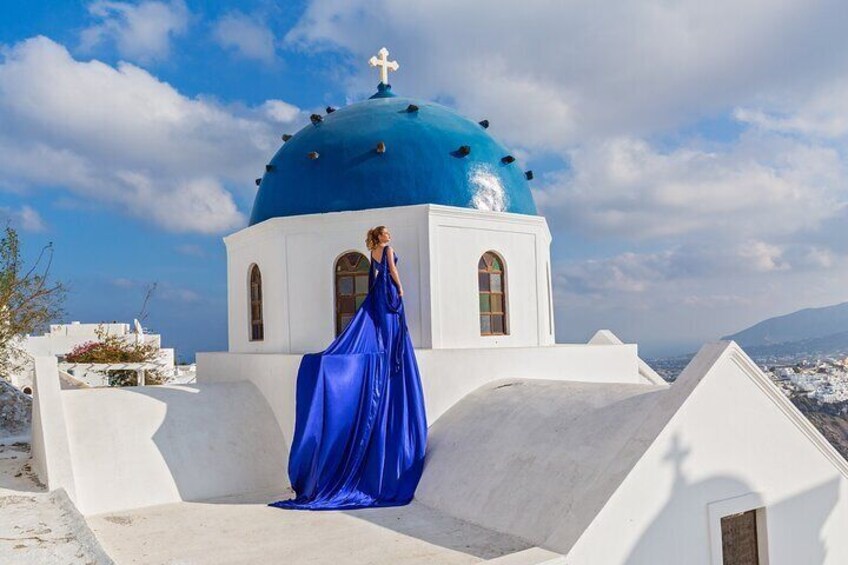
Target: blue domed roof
423 163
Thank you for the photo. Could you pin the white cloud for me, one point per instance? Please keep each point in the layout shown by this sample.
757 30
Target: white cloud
628 273
763 256
141 32
822 113
246 35
26 218
678 298
120 136
553 74
280 111
818 257
758 186
648 272
654 272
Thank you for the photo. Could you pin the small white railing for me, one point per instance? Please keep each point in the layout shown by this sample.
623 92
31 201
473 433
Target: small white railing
105 368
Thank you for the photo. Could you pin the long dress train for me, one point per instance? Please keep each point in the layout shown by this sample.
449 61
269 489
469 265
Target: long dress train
360 431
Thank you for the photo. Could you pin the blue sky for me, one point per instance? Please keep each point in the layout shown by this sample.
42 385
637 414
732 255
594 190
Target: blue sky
690 158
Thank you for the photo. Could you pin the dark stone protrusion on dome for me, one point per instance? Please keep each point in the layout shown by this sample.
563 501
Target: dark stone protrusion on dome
269 168
423 166
412 108
316 119
313 155
330 109
381 148
258 182
484 124
528 175
286 137
464 150
506 160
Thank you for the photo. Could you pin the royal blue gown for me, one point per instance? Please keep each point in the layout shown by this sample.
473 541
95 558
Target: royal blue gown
361 430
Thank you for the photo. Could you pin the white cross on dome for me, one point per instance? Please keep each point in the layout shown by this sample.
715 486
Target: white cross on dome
384 64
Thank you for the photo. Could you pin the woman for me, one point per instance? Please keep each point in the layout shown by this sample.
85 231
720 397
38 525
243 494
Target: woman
361 431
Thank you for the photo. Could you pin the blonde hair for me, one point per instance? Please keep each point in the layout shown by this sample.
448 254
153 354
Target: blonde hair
372 239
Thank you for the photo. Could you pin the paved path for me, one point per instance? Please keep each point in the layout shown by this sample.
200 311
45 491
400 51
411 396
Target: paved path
245 530
40 527
36 526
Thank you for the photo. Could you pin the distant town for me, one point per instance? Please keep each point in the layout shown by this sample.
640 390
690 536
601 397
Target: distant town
823 378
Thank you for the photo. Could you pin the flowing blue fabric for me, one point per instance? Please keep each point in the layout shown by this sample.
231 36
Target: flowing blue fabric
361 430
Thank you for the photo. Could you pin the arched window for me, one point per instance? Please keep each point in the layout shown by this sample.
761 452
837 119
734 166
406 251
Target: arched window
491 277
351 287
257 328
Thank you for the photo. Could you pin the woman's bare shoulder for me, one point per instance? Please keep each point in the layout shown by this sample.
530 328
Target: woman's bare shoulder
380 252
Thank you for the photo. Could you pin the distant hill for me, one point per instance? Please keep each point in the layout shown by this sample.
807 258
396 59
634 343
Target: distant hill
828 325
834 344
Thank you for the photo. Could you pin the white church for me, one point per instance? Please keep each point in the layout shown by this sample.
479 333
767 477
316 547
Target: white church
538 452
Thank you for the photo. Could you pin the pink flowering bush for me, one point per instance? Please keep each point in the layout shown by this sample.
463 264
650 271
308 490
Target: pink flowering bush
113 349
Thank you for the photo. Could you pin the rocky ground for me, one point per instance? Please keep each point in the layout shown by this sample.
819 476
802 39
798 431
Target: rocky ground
830 418
15 412
36 526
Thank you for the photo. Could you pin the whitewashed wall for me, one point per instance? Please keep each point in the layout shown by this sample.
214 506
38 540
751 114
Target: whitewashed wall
438 247
735 445
297 256
113 449
458 238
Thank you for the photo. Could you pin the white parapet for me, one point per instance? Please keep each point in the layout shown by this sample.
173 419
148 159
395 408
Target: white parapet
447 375
117 448
51 455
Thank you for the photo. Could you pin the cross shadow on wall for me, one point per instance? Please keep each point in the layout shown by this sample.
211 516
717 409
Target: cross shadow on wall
794 525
